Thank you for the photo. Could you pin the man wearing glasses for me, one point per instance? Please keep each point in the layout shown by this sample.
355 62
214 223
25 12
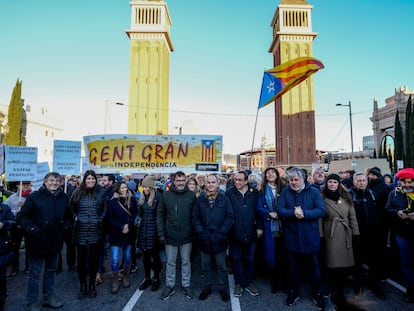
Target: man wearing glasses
174 229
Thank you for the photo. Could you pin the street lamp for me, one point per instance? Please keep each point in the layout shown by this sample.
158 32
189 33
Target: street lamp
350 125
107 117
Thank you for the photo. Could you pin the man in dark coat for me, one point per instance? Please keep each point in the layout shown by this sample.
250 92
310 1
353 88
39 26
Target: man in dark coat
44 217
301 206
212 219
400 207
175 231
243 235
369 246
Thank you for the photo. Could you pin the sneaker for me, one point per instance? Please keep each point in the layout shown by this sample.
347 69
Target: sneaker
205 293
291 298
12 272
252 290
238 290
224 293
52 302
188 292
168 291
134 268
319 301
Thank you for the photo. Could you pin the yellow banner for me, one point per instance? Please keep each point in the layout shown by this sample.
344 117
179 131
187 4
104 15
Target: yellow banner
119 153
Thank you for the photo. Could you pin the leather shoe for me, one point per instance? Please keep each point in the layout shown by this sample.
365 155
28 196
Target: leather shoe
224 293
145 283
205 293
155 285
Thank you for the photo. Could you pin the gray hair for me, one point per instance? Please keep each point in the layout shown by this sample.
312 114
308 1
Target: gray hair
358 174
297 171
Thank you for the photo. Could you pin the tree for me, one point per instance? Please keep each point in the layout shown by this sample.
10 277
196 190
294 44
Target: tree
14 135
398 141
409 136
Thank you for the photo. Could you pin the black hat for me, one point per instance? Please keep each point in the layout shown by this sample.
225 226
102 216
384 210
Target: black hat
375 171
334 176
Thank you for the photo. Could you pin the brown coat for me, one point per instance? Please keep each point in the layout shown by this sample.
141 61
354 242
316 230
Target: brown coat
338 227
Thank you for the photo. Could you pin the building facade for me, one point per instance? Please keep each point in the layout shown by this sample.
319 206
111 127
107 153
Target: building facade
294 111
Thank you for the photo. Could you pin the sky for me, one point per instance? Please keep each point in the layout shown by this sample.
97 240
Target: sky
73 59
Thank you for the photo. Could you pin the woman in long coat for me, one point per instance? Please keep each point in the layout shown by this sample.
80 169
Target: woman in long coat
338 227
273 251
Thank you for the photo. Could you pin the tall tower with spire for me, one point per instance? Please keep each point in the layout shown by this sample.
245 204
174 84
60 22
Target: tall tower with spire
294 111
149 67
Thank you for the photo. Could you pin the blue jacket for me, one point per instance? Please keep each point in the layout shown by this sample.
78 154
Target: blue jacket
118 217
212 223
301 235
398 201
8 219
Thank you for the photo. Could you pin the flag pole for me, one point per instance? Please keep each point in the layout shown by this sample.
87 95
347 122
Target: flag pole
254 134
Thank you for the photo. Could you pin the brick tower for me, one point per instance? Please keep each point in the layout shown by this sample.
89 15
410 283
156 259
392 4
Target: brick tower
294 111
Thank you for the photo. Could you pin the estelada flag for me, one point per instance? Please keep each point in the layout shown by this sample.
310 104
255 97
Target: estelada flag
278 80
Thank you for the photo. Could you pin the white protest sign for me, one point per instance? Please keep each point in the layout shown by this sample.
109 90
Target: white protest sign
20 163
66 157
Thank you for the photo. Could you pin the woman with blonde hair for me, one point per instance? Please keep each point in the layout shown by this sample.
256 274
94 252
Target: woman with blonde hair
147 233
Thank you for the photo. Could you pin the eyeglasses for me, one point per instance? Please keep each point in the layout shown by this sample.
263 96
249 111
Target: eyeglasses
179 180
238 179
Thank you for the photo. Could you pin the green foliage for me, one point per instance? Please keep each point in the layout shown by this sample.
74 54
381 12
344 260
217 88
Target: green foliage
398 141
14 136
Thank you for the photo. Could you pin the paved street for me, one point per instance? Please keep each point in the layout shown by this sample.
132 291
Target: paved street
133 299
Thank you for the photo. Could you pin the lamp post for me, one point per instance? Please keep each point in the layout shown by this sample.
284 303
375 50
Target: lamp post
350 125
107 117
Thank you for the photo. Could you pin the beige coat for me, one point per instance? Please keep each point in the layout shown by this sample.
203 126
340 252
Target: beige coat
338 226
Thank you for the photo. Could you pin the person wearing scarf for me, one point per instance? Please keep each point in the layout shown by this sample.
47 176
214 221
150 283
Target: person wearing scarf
272 247
44 218
337 229
212 218
400 206
301 206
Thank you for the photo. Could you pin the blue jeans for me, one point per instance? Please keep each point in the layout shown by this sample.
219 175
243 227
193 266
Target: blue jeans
50 262
220 259
406 248
116 255
172 252
243 262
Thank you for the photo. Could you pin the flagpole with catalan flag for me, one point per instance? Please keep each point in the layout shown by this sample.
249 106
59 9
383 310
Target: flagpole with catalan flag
280 79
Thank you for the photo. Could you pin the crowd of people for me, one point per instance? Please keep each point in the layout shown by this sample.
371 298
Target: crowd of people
287 225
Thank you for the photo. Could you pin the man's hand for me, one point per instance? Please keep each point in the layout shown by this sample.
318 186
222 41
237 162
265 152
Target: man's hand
273 215
1 225
259 232
298 212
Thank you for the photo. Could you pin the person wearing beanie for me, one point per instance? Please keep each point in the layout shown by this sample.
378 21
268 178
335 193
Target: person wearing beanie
147 233
338 227
401 208
369 247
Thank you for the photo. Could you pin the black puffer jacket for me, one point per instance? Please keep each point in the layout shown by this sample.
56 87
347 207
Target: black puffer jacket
44 217
147 232
88 214
8 219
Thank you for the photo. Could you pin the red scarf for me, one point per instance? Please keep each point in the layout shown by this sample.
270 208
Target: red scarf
26 193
